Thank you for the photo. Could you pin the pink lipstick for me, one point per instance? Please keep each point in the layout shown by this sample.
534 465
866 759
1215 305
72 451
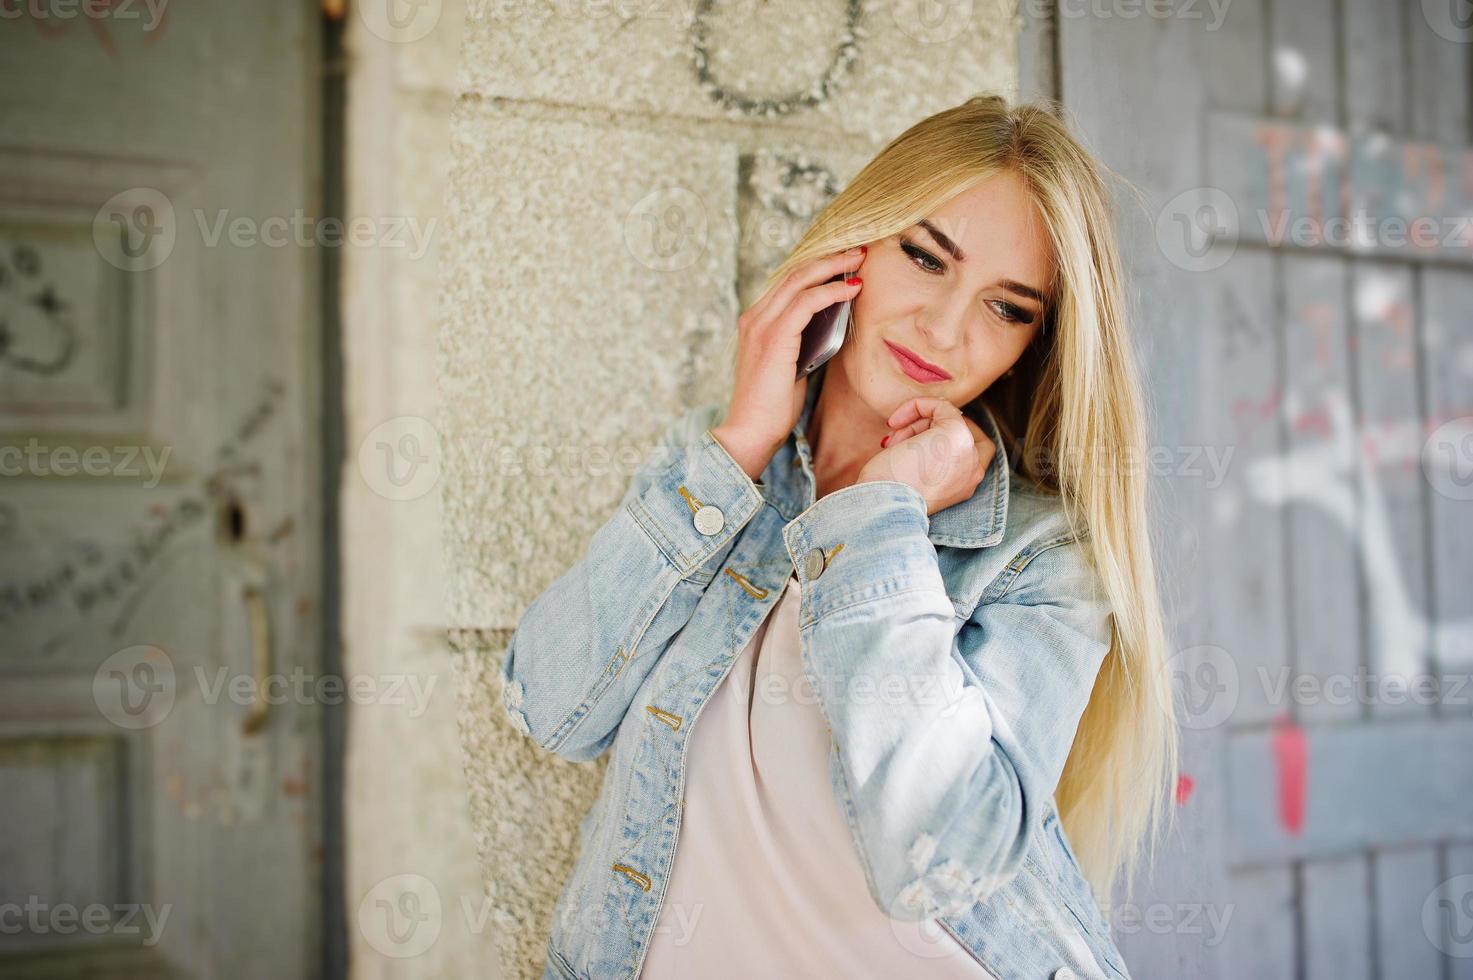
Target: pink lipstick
915 367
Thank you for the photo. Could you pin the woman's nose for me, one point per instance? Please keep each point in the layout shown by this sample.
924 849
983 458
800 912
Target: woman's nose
944 326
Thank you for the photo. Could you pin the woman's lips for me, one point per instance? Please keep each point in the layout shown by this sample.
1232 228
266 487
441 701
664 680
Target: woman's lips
915 368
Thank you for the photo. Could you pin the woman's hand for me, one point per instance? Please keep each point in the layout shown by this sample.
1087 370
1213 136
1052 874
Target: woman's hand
767 395
935 449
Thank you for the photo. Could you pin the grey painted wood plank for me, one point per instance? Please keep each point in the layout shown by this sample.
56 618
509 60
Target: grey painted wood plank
1319 482
1438 67
1391 509
1243 529
1440 110
1304 62
1374 35
1037 57
1450 927
1262 939
1392 499
1336 941
1245 597
1403 880
1233 60
1379 783
1447 465
1110 71
1244 616
1316 188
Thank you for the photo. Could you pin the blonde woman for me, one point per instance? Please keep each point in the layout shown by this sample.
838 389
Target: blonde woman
878 650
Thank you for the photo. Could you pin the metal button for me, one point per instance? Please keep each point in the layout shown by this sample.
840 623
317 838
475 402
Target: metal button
813 564
710 520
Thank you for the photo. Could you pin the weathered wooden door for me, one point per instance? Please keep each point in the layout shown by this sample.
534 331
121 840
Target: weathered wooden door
1312 384
160 528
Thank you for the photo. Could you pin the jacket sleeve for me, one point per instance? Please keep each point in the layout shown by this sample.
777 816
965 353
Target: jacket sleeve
584 645
947 742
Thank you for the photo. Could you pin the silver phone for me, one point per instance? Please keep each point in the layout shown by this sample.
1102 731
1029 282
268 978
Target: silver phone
824 334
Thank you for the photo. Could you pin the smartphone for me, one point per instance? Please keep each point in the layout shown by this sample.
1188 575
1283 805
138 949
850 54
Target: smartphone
824 334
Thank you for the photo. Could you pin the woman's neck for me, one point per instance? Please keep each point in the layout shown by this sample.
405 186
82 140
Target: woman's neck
843 433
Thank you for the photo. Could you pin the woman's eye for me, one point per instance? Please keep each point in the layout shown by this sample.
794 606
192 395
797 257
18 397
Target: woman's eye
927 262
920 255
1012 313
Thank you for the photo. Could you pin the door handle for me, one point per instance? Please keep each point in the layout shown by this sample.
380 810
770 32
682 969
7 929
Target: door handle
260 627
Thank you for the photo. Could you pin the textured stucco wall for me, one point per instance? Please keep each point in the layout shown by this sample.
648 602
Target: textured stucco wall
622 177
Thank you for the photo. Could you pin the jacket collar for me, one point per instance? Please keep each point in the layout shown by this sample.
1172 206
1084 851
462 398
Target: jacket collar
977 522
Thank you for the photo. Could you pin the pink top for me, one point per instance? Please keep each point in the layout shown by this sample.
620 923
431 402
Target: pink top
766 880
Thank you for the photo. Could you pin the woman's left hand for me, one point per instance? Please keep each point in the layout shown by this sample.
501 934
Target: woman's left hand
934 448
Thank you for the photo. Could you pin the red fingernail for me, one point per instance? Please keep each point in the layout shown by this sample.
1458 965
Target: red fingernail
863 249
884 440
852 281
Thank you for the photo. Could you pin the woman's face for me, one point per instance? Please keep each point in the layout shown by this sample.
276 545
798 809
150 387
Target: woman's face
964 291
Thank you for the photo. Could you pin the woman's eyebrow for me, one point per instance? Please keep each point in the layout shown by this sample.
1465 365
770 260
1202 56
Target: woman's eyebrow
1022 289
954 250
951 247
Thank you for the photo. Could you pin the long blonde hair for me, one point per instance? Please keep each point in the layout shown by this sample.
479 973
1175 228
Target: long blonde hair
1074 401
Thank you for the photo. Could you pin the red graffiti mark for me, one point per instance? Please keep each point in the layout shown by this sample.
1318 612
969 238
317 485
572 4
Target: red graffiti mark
1436 420
1275 141
1320 317
1315 420
1397 315
1184 786
1396 359
1320 146
1291 758
1419 157
1247 413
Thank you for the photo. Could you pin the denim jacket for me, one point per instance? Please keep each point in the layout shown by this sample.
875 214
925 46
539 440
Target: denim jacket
952 657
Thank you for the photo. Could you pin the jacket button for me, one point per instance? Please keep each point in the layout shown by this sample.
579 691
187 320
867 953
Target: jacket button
813 564
1064 973
709 519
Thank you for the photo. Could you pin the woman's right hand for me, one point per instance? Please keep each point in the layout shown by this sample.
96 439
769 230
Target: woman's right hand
767 396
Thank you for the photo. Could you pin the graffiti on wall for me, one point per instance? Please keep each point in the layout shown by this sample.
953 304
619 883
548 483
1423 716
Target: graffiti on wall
1320 187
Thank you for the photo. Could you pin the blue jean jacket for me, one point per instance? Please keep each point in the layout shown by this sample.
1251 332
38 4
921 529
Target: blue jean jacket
952 657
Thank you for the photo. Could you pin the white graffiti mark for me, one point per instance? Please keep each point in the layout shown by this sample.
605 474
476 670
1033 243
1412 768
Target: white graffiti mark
1326 474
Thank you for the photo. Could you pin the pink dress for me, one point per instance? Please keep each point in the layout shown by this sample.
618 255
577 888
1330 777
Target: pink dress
766 881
